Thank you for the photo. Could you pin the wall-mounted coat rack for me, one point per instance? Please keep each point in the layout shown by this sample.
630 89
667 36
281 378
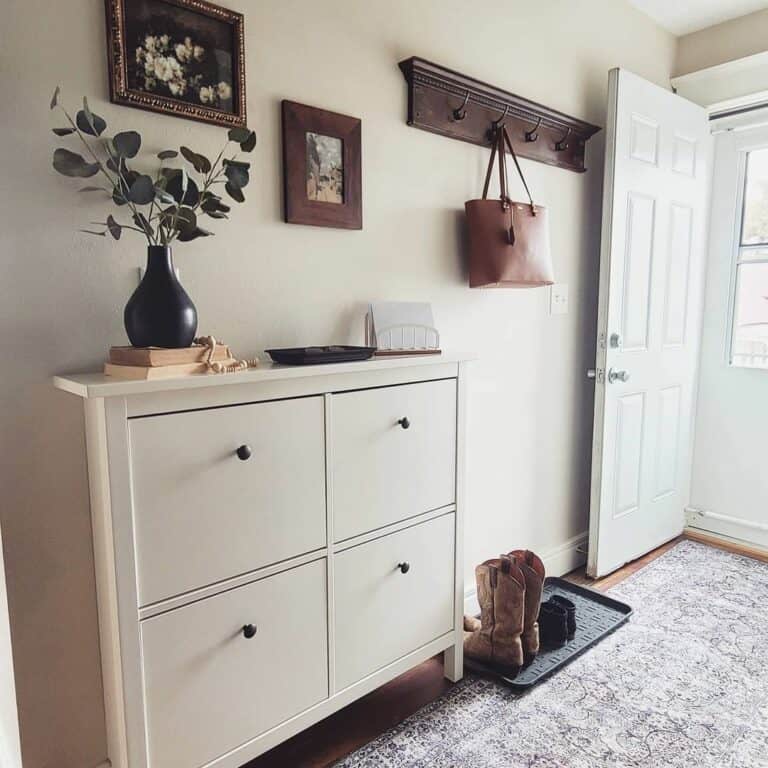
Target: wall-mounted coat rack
446 102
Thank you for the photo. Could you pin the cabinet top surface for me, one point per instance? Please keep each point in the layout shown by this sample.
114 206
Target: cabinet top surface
89 385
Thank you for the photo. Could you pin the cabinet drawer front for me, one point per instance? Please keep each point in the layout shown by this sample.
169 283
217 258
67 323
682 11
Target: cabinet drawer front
202 514
382 472
383 613
209 688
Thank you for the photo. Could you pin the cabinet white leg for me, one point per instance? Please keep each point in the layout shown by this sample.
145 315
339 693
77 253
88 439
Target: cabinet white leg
453 661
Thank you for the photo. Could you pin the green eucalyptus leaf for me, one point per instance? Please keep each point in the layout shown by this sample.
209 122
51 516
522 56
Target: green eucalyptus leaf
71 164
235 192
239 135
142 190
185 237
88 122
55 97
216 215
63 131
212 203
186 223
236 173
127 143
250 143
199 162
181 188
167 154
118 165
186 216
114 228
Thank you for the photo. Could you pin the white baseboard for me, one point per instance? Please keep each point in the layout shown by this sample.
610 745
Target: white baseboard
558 561
735 528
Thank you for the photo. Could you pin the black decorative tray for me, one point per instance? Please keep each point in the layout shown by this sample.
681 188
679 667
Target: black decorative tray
319 355
597 615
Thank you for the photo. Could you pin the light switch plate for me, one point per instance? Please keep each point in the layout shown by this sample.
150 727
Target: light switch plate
558 299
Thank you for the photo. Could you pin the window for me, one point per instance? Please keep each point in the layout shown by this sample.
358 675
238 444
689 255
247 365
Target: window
749 339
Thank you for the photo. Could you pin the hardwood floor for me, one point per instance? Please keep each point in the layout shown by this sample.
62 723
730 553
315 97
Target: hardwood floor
360 722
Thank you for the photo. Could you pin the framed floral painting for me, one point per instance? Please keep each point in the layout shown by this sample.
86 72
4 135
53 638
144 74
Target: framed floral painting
181 57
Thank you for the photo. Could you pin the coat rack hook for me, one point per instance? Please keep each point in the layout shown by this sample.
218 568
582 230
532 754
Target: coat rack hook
461 112
562 144
499 121
533 134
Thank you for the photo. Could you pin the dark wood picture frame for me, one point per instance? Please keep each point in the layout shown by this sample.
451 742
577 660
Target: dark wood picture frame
119 53
299 120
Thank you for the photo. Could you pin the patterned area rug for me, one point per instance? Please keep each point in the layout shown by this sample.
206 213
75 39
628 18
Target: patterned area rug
683 684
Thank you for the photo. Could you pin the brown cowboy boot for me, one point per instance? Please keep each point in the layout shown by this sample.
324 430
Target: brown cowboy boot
533 571
501 594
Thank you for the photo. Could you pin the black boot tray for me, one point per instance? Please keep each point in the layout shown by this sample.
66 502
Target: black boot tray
597 615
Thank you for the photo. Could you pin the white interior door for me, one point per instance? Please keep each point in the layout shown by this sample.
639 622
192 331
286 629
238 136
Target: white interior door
651 283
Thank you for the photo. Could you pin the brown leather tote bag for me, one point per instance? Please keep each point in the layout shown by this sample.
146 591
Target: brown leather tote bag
508 241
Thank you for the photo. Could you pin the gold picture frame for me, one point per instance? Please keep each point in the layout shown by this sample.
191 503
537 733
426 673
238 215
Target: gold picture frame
187 60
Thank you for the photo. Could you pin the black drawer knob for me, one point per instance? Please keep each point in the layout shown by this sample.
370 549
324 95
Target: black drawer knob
244 452
404 422
404 567
249 630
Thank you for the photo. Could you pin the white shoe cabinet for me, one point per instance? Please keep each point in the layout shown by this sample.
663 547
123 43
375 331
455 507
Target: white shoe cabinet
269 547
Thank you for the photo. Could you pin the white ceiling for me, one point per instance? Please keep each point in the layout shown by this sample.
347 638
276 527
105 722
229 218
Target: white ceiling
683 16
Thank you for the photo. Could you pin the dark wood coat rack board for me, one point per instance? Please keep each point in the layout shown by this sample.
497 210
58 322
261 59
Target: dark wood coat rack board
460 107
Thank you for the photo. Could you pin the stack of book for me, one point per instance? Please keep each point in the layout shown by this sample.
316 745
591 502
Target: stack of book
144 363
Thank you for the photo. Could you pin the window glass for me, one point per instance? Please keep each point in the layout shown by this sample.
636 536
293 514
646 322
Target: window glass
755 219
750 322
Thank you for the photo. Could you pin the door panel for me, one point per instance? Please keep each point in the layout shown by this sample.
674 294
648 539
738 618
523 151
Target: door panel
637 270
666 441
678 259
651 280
629 442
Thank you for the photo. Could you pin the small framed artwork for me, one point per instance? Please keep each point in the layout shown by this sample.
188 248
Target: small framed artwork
322 172
181 57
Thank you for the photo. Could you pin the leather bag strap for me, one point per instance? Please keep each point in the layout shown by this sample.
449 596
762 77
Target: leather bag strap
508 142
498 148
490 169
503 178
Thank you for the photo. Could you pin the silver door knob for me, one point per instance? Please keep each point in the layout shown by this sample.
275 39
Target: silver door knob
591 373
615 341
614 375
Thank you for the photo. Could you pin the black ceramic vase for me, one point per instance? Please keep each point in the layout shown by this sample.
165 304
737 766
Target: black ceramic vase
160 312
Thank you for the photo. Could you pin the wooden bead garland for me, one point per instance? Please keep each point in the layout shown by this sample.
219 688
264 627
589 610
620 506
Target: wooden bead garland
210 342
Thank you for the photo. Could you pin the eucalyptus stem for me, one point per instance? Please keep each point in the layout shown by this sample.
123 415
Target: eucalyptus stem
97 160
174 200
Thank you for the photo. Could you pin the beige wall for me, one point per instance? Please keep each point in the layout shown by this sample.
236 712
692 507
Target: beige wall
261 282
730 40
